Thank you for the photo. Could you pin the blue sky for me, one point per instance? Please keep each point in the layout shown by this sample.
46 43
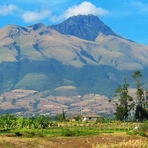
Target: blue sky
128 18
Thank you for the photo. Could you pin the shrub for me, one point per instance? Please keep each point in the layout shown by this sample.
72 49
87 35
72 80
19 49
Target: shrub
100 119
29 133
18 134
68 132
144 126
139 131
143 134
132 132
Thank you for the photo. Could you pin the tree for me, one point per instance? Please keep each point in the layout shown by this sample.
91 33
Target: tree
35 122
8 121
60 117
63 114
43 121
20 122
125 102
28 122
140 112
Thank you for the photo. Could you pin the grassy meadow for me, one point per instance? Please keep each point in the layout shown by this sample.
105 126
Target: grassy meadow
77 135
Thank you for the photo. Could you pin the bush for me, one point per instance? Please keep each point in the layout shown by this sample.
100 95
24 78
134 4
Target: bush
100 119
53 124
28 133
144 126
143 134
141 131
18 134
132 132
68 132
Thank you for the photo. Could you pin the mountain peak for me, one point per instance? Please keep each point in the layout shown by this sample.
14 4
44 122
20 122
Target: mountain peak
37 26
86 27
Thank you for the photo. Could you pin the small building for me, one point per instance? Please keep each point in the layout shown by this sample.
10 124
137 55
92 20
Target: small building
75 118
90 117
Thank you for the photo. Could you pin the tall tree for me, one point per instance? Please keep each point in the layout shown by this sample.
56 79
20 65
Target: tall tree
61 117
125 102
63 114
140 112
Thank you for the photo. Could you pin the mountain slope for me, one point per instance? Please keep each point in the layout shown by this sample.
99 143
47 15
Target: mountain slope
85 27
93 60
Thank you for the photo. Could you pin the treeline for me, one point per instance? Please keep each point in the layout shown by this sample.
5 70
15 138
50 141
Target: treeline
9 121
127 104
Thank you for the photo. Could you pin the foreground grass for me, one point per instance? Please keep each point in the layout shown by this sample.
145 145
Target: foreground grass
107 140
12 142
141 143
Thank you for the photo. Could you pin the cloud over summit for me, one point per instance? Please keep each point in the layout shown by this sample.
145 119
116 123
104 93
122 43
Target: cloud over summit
85 8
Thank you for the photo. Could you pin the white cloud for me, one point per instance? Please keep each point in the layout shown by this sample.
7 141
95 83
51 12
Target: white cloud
31 16
85 8
34 16
7 9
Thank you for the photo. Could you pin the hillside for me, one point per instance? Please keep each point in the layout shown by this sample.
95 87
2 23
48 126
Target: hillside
29 102
81 55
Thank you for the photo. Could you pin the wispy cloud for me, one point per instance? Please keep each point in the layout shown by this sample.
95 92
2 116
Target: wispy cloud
84 8
31 16
140 6
7 9
132 8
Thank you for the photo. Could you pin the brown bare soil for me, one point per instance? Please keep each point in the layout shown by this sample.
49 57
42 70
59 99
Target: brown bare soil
68 142
34 102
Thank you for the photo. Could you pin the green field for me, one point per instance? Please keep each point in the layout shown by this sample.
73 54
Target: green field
42 131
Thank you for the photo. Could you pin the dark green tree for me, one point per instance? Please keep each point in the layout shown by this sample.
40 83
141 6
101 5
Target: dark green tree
125 102
43 121
143 113
59 117
63 114
140 112
35 122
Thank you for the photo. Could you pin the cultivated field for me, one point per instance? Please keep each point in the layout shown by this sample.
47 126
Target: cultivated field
112 140
76 135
